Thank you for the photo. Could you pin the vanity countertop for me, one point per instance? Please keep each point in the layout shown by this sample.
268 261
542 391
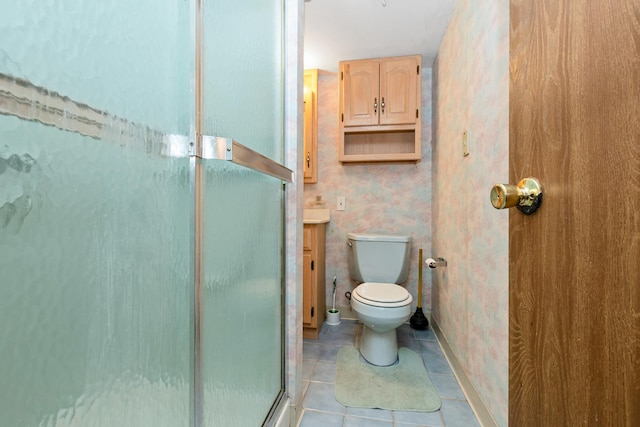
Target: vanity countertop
316 216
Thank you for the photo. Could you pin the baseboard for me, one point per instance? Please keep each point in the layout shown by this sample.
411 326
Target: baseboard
475 401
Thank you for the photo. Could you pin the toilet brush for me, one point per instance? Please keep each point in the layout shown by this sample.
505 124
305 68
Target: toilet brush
333 305
418 320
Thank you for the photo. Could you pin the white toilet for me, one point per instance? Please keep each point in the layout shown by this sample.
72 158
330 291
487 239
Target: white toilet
379 262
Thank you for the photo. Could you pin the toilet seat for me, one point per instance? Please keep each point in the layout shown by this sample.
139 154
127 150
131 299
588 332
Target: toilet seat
382 294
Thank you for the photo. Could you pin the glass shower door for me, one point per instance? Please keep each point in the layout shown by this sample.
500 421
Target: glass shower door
242 214
140 284
96 229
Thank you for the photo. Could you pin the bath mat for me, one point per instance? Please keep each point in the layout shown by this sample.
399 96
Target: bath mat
404 386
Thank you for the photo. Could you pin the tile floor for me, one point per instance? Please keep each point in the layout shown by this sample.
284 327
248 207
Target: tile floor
319 370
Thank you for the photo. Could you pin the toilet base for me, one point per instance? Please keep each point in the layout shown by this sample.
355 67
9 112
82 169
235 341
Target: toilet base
379 348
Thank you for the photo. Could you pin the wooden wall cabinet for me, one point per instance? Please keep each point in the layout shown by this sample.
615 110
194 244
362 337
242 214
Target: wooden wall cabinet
310 153
314 305
380 103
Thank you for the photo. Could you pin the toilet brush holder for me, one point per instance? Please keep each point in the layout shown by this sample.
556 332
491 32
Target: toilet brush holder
333 317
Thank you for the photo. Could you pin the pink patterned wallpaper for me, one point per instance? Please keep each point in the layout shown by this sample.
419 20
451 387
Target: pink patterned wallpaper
470 298
380 198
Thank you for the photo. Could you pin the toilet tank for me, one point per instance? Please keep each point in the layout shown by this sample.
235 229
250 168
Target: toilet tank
378 257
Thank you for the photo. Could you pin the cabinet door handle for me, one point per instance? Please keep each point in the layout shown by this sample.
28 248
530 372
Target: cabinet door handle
382 105
308 159
375 105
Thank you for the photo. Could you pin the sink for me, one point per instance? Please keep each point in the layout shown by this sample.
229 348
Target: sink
316 216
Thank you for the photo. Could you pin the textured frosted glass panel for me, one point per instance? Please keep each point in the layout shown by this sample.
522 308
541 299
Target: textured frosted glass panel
242 292
242 295
96 284
243 73
131 58
96 235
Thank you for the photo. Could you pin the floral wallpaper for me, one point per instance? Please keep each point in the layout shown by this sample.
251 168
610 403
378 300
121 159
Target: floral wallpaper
470 297
380 198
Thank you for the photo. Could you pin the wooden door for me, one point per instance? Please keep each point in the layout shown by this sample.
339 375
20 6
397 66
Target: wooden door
574 273
360 96
399 78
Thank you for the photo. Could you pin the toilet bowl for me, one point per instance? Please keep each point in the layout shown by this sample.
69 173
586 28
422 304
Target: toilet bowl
381 307
378 264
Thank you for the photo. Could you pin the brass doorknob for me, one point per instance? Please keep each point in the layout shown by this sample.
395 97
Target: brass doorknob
526 196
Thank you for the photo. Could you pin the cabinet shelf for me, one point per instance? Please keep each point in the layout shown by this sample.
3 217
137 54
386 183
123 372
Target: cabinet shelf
375 145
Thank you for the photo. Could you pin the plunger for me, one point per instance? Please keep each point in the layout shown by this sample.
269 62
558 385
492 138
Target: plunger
418 320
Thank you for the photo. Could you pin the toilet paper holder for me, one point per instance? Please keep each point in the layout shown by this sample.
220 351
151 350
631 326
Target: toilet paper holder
438 262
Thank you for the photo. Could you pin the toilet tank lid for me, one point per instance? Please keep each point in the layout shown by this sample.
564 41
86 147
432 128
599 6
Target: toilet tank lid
378 237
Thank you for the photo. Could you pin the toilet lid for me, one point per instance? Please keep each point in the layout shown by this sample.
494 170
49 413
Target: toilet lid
382 292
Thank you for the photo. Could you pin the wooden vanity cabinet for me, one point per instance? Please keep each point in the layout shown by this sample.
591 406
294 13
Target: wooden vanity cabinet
380 102
313 289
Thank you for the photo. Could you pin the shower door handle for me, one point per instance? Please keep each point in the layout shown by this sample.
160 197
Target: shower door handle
221 148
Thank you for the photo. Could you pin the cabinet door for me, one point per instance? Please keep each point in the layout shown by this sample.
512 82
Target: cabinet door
310 154
307 289
360 93
398 89
308 276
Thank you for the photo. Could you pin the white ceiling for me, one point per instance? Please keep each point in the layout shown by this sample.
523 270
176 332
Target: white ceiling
337 30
